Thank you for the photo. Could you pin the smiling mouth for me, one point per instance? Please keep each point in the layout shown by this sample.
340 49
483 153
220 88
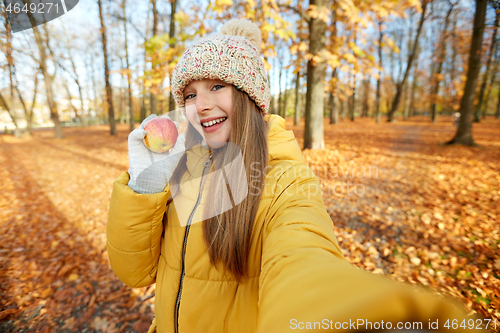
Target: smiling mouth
213 122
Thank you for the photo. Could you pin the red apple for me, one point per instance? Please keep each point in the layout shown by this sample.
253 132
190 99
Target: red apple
161 135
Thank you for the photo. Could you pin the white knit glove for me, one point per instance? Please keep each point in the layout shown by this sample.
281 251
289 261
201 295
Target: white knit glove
150 172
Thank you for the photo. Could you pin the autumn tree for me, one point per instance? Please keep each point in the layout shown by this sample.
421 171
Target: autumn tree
72 71
496 6
172 42
44 46
380 64
127 68
299 49
316 71
438 77
7 48
28 111
154 89
464 131
109 91
400 85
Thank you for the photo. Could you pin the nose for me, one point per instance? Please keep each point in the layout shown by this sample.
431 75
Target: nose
203 102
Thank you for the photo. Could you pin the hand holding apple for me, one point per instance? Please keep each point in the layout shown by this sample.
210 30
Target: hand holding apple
161 134
151 171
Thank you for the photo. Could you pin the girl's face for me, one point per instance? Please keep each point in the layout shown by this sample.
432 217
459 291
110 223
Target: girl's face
209 109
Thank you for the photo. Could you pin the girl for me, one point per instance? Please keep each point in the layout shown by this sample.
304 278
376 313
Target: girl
269 262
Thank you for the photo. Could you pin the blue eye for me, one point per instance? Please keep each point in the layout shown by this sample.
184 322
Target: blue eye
215 87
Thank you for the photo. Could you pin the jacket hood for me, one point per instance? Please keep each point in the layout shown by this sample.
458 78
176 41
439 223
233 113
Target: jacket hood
281 142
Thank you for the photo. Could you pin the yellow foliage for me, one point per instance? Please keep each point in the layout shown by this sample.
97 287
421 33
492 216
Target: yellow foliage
267 27
356 50
333 62
316 59
181 17
312 11
345 68
221 3
349 57
251 3
302 46
415 3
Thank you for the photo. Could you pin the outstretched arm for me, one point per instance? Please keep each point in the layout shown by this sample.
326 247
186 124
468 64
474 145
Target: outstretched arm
305 280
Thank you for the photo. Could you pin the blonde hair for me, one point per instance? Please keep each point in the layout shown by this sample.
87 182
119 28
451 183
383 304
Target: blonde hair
227 236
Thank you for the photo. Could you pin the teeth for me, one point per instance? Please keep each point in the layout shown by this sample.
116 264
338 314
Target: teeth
213 122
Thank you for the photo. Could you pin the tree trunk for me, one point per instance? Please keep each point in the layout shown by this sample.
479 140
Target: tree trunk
344 108
453 70
400 85
82 114
74 75
497 114
109 92
94 88
28 114
173 10
366 93
464 131
287 93
70 100
297 92
154 87
9 58
411 111
479 106
10 65
334 105
484 109
143 106
379 80
11 114
334 109
48 78
280 109
440 61
353 98
129 72
313 134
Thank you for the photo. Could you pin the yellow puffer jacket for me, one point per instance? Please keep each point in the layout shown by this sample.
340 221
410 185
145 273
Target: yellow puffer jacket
298 276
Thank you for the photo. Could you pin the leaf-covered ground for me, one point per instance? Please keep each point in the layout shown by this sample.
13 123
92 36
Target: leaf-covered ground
403 205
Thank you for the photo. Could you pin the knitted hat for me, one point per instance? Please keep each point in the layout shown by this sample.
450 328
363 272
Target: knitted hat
232 56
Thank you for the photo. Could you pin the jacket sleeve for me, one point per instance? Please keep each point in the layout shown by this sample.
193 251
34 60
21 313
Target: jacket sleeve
305 280
135 225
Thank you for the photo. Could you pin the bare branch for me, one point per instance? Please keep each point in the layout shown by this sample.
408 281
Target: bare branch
121 18
303 15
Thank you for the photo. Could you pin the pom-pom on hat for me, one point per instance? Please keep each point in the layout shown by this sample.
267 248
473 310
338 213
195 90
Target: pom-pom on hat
232 56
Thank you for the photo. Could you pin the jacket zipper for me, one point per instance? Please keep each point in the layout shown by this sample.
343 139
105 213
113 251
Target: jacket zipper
184 244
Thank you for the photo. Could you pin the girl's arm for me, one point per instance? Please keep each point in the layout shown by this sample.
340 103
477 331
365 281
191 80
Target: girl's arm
135 225
305 280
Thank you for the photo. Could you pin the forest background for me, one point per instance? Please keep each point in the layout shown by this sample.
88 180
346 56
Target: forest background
110 62
361 83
